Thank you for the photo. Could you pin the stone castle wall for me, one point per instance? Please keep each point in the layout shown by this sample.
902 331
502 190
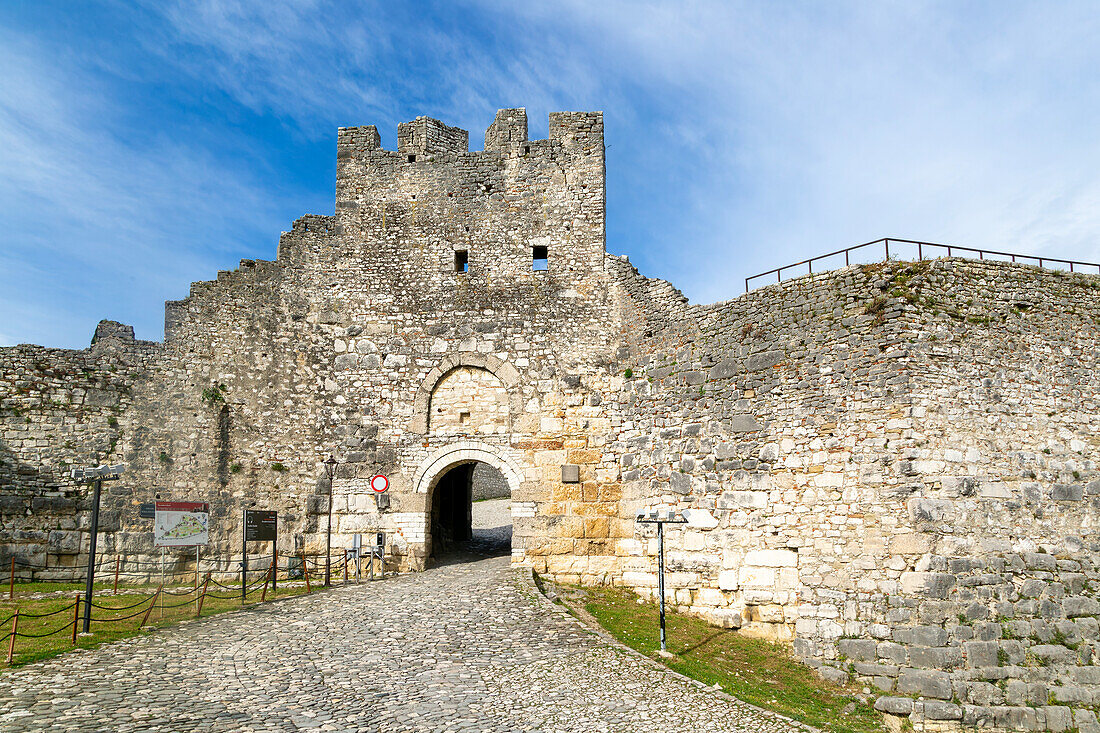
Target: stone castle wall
892 467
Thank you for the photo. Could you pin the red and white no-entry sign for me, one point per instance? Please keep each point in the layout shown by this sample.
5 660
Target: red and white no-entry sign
379 483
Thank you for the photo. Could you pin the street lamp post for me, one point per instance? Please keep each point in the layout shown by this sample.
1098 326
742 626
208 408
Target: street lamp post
330 469
95 476
661 516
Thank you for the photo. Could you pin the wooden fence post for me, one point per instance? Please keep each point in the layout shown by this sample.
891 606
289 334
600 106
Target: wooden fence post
305 571
270 571
201 597
76 617
145 619
14 629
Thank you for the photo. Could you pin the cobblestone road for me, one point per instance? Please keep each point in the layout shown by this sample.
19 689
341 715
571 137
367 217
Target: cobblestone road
465 647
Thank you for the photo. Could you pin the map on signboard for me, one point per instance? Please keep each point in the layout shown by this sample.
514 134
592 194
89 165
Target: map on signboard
181 523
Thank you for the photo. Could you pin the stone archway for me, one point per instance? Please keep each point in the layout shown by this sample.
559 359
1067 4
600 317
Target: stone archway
443 462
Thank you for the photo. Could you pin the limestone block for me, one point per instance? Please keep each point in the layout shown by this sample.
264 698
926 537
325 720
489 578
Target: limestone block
913 543
894 706
981 653
680 483
744 424
725 618
1075 606
787 579
931 636
1067 492
346 361
937 710
935 585
727 580
743 500
1071 695
756 577
1058 717
935 657
926 683
858 649
772 558
64 542
929 510
710 597
700 518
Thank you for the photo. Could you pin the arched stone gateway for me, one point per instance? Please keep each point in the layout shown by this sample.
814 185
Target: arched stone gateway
441 464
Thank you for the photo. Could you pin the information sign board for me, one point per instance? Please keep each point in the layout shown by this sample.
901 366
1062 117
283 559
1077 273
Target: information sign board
147 510
259 525
181 523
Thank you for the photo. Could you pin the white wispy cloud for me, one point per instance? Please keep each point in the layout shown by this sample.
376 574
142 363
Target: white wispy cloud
100 222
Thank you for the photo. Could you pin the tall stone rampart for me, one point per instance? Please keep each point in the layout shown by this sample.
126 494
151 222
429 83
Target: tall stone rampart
891 466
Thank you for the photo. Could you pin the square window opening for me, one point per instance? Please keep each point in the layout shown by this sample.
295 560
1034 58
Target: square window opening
540 258
463 417
412 158
462 260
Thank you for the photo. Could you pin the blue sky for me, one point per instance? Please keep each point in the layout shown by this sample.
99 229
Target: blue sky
146 145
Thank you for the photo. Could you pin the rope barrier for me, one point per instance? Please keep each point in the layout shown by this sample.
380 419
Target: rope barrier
121 608
24 614
184 593
144 606
121 618
48 633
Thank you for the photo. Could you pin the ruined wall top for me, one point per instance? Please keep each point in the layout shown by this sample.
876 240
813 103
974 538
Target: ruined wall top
426 136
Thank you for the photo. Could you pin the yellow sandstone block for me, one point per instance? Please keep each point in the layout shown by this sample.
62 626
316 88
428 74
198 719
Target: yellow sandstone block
583 456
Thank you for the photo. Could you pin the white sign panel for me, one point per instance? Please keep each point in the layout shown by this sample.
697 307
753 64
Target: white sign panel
181 523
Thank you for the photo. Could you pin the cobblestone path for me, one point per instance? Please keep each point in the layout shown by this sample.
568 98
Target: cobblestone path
465 647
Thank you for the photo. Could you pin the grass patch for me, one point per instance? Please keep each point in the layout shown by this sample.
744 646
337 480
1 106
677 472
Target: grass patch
32 649
752 670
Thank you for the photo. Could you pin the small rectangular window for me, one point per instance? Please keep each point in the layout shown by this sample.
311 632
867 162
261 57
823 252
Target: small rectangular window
462 260
412 158
539 258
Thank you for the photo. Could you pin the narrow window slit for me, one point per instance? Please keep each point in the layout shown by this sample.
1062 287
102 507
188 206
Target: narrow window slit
539 258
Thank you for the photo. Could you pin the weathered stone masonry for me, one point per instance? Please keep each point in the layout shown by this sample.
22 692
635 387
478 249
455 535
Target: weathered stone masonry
893 467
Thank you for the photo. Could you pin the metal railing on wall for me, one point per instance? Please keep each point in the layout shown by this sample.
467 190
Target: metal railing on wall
921 247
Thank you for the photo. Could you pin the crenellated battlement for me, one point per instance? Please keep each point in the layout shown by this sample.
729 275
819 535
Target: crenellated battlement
426 139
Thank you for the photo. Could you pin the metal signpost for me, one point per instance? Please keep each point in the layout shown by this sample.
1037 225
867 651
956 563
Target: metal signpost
259 526
379 484
94 476
378 550
661 516
330 470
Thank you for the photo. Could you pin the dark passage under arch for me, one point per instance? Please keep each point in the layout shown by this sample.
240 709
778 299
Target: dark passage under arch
470 514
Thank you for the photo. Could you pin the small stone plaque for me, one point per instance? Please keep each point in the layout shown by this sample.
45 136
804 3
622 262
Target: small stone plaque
570 474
